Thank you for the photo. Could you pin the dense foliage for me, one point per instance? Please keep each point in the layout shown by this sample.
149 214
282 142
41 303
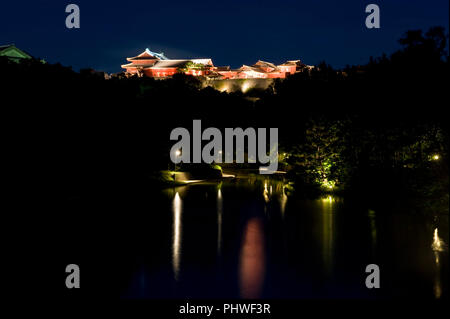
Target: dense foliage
374 129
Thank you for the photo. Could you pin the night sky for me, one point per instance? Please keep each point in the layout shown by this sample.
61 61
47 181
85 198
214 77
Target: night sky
230 32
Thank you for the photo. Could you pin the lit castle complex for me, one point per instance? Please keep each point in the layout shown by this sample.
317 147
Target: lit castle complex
157 65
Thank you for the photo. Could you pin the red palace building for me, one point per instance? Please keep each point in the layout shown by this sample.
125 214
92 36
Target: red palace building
157 65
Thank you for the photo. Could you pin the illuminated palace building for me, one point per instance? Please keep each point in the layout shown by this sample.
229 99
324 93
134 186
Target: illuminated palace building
157 65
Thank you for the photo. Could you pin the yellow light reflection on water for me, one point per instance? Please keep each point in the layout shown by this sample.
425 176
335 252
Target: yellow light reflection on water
328 199
438 246
176 245
266 192
328 235
283 202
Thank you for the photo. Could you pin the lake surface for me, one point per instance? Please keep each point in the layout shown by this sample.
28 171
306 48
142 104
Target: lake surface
246 239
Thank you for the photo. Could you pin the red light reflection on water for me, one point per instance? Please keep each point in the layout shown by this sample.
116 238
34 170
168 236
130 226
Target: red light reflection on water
252 260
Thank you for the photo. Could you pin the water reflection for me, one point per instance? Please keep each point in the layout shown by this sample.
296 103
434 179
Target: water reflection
328 234
438 243
176 244
219 222
373 229
311 241
283 201
437 246
252 260
266 192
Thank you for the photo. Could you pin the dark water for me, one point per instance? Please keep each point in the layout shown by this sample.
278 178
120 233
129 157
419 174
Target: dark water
246 238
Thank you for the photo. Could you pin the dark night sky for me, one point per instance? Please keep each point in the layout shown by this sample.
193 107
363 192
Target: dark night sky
232 32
